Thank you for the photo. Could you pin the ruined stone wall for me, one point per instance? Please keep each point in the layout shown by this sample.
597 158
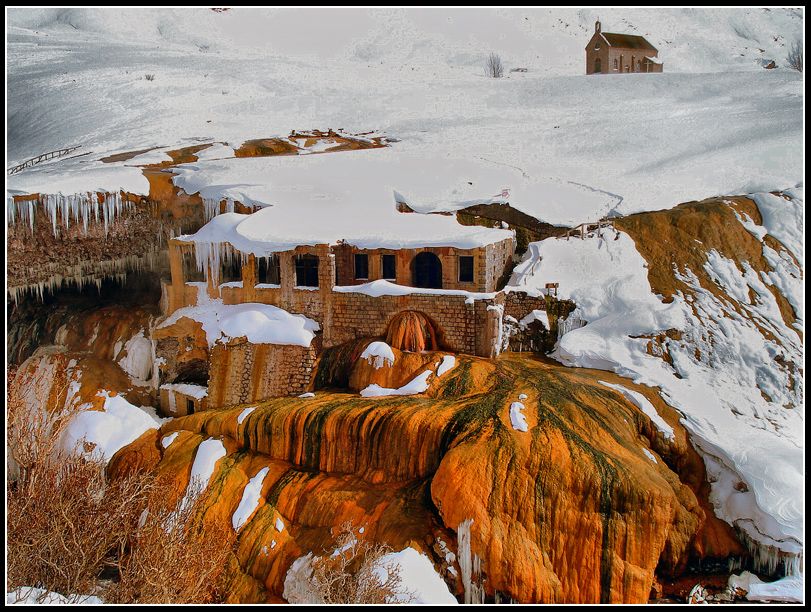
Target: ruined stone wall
241 372
497 264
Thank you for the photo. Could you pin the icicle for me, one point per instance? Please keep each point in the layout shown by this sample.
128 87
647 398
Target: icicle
470 565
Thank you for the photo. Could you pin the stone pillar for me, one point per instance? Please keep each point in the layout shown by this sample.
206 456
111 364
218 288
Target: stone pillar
249 279
375 265
287 279
404 258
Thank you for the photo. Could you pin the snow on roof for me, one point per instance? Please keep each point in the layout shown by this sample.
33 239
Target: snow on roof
655 60
379 288
351 197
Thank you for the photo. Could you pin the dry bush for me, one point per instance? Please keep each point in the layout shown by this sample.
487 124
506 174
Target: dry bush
72 531
795 55
351 573
173 556
493 66
65 521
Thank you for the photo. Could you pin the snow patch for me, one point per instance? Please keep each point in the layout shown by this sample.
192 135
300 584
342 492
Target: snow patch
378 354
419 384
250 499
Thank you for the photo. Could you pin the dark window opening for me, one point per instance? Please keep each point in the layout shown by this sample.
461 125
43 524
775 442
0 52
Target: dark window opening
189 406
306 271
427 270
231 270
361 266
268 271
389 268
190 272
465 269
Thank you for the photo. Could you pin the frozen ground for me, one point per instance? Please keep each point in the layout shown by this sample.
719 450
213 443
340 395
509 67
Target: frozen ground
714 123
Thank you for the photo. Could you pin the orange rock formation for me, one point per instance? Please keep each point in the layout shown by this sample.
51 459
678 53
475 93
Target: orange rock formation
572 510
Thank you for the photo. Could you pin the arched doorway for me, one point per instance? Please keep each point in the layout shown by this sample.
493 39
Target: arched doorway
427 271
598 65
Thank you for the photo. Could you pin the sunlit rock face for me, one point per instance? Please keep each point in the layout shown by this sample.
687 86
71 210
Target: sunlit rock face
590 504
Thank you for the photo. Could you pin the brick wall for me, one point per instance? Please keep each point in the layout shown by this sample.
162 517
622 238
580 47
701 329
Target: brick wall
465 327
241 372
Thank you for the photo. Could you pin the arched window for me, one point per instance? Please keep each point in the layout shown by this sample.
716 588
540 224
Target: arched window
598 65
639 65
427 271
616 64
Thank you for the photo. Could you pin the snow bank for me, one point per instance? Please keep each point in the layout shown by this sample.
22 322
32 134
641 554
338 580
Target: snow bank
378 354
119 424
780 218
418 576
642 402
259 323
788 589
250 499
419 384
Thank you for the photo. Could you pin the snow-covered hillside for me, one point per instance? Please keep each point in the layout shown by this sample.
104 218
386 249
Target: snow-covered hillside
714 123
727 357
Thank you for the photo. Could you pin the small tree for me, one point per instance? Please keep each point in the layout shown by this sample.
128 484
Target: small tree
493 66
795 55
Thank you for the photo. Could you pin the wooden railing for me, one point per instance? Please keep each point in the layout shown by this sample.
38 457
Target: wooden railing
41 158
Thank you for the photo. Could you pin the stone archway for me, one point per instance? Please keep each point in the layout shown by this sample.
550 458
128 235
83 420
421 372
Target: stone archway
427 271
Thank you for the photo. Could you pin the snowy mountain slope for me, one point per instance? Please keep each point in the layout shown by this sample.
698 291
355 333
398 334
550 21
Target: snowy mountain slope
721 348
78 76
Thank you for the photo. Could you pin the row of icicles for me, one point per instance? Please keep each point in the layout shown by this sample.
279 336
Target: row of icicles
77 208
91 274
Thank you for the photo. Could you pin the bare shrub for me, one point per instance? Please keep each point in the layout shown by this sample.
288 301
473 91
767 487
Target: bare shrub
352 573
65 521
173 557
493 66
72 531
149 77
795 55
